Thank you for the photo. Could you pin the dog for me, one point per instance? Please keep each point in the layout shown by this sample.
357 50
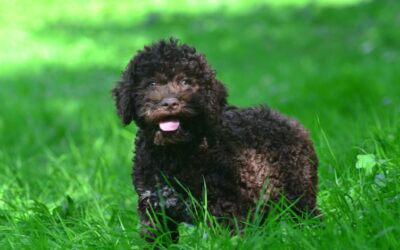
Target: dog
191 143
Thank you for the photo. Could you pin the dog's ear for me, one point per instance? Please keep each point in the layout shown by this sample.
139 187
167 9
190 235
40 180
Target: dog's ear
124 100
221 92
215 101
217 95
216 91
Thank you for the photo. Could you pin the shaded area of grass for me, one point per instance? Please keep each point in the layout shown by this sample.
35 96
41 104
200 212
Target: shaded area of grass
65 159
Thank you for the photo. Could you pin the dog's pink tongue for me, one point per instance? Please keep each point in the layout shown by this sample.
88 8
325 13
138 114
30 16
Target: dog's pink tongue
169 125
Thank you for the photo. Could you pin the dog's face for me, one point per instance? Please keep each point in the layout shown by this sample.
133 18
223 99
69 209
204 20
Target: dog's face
171 93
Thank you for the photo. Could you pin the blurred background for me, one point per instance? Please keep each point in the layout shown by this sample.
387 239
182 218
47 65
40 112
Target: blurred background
332 64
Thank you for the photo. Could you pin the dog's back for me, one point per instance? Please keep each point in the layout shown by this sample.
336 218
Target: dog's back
272 151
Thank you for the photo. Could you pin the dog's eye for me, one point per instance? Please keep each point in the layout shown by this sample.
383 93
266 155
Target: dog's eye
151 83
184 82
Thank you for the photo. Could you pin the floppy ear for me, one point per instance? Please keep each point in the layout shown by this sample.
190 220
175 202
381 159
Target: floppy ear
124 97
216 92
217 95
221 92
215 100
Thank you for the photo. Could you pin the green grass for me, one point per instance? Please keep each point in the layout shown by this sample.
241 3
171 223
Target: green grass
65 158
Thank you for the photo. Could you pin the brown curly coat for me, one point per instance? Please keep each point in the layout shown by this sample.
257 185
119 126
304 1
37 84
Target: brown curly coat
231 151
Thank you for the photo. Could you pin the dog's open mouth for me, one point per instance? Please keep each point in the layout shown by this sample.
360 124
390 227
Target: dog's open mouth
172 129
169 125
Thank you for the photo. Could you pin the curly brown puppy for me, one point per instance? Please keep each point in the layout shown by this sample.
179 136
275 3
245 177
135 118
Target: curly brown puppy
188 136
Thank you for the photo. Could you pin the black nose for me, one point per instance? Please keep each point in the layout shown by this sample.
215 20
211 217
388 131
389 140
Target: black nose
170 102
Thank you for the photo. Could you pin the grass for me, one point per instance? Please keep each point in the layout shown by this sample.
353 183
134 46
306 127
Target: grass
65 158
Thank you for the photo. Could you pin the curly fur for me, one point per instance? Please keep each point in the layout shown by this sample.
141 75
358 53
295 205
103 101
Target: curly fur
232 151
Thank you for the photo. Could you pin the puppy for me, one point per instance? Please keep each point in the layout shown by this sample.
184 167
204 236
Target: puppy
190 140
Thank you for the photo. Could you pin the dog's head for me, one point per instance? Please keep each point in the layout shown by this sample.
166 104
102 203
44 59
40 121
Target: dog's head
171 93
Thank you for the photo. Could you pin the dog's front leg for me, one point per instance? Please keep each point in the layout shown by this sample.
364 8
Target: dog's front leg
160 211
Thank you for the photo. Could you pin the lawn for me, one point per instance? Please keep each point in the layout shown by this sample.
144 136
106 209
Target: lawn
65 158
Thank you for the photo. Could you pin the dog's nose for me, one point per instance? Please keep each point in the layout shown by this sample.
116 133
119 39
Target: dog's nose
170 102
